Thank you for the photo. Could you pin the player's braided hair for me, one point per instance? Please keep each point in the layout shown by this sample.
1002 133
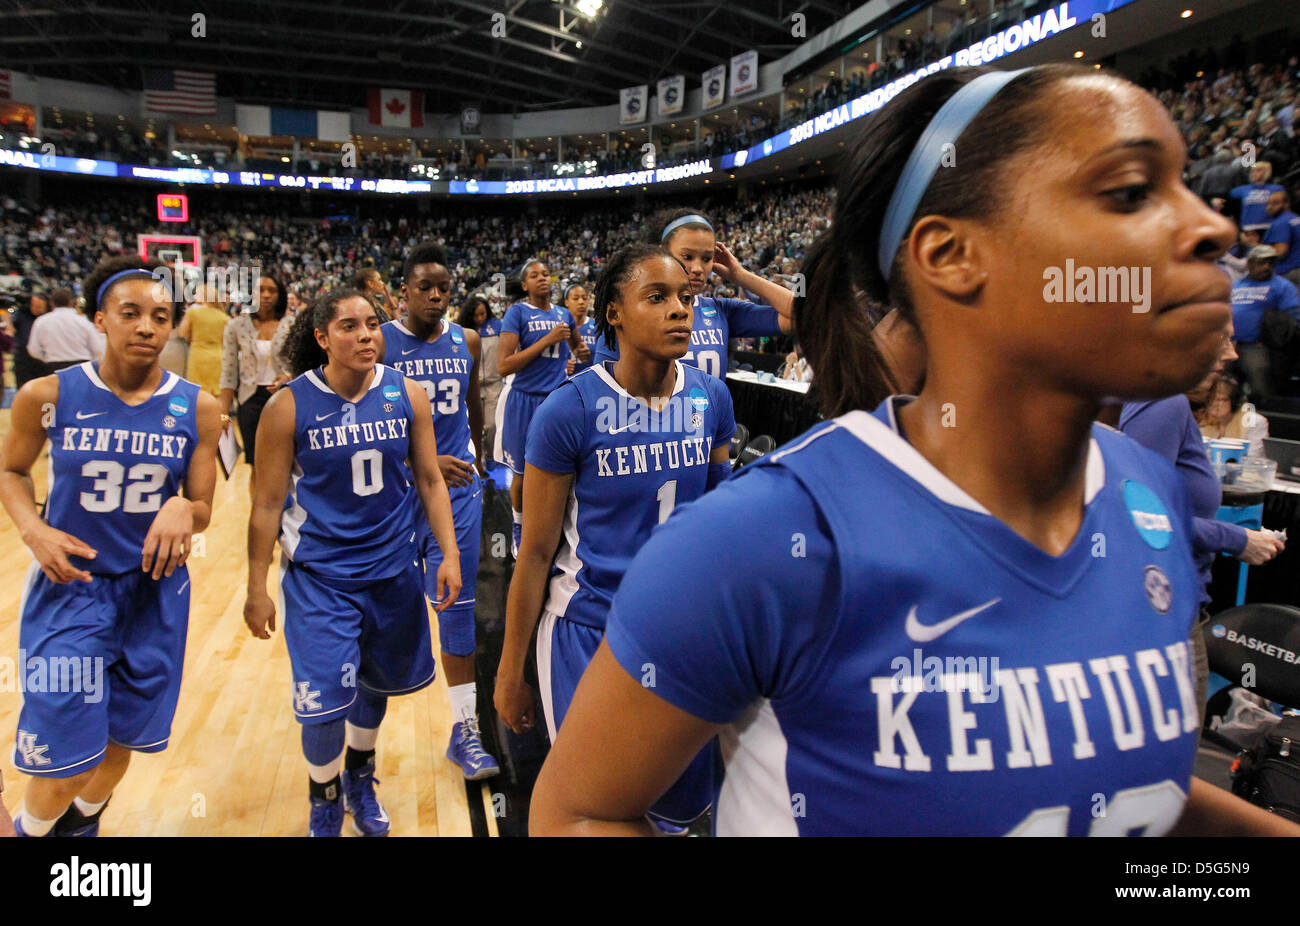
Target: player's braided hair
300 351
618 270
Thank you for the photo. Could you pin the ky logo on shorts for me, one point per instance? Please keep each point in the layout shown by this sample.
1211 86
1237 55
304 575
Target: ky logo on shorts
305 700
31 753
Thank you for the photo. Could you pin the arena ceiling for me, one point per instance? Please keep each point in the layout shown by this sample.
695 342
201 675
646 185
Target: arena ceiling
502 56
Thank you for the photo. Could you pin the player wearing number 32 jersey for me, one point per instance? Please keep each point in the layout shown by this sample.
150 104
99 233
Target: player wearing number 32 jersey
108 594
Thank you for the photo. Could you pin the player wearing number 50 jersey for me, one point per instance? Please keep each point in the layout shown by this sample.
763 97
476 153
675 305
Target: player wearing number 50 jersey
966 612
443 358
689 237
108 595
610 453
348 464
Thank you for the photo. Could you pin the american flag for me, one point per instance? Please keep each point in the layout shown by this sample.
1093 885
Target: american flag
5 86
186 93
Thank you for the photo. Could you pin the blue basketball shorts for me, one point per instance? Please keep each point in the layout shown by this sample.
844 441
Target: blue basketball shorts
345 633
514 414
99 663
564 650
456 623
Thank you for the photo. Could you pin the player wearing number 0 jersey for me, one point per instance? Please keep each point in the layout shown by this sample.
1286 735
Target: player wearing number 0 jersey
108 596
604 468
348 466
689 236
443 358
964 613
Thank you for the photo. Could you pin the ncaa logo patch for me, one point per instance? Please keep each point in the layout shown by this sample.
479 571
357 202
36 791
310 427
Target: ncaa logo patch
457 337
178 405
1148 514
1219 631
699 400
708 309
1160 592
391 393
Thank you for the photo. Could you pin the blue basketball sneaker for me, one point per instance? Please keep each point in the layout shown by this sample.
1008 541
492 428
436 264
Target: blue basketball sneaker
76 824
326 818
369 818
466 750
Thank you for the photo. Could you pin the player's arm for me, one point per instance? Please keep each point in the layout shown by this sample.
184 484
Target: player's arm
773 294
577 347
511 359
545 496
433 493
474 401
642 754
274 463
1211 811
33 411
171 535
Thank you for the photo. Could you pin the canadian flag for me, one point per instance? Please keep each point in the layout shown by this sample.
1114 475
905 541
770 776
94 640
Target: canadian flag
398 109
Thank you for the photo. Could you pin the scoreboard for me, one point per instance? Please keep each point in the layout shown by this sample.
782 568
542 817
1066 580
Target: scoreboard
173 207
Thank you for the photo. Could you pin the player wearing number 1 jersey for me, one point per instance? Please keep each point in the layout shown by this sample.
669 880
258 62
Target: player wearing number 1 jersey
443 357
689 237
348 463
610 454
105 608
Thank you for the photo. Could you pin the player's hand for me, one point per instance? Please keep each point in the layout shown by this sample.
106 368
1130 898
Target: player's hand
455 473
568 367
513 700
582 352
277 383
259 615
559 333
725 263
1260 548
448 580
167 545
51 548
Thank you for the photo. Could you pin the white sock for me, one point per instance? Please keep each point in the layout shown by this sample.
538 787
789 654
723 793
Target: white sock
33 826
87 808
464 701
325 773
362 739
518 515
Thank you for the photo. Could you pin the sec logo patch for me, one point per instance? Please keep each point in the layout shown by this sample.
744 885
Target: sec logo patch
1160 591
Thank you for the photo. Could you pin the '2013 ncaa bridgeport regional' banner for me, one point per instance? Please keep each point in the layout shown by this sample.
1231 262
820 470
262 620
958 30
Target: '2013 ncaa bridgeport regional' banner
713 86
671 95
631 104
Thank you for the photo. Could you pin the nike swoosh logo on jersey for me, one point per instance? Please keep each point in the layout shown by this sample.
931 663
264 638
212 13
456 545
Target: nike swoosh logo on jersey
620 430
81 416
924 633
323 417
411 351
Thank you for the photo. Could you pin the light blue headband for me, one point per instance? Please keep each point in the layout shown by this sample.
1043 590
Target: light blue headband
121 274
684 220
944 129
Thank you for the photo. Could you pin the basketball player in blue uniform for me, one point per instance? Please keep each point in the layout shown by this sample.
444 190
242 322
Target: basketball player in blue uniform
443 357
536 339
689 236
610 454
576 300
349 466
964 613
106 603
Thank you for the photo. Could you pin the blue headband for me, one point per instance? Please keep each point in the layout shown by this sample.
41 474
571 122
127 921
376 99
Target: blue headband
684 220
121 274
948 123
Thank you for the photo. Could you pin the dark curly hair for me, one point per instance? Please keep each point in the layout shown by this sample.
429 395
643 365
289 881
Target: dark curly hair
281 300
618 270
426 252
300 351
665 217
468 308
112 265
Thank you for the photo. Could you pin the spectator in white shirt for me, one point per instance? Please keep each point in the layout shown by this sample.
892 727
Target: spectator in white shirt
64 336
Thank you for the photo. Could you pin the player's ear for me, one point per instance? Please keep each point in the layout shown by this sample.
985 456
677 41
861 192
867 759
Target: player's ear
99 321
322 339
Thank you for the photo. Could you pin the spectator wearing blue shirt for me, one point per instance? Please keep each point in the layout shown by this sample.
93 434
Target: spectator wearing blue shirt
1283 236
1254 196
1258 292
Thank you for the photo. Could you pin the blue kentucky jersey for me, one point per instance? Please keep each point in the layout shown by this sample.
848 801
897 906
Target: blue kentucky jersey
114 465
715 322
586 331
352 508
890 659
442 366
532 324
631 467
